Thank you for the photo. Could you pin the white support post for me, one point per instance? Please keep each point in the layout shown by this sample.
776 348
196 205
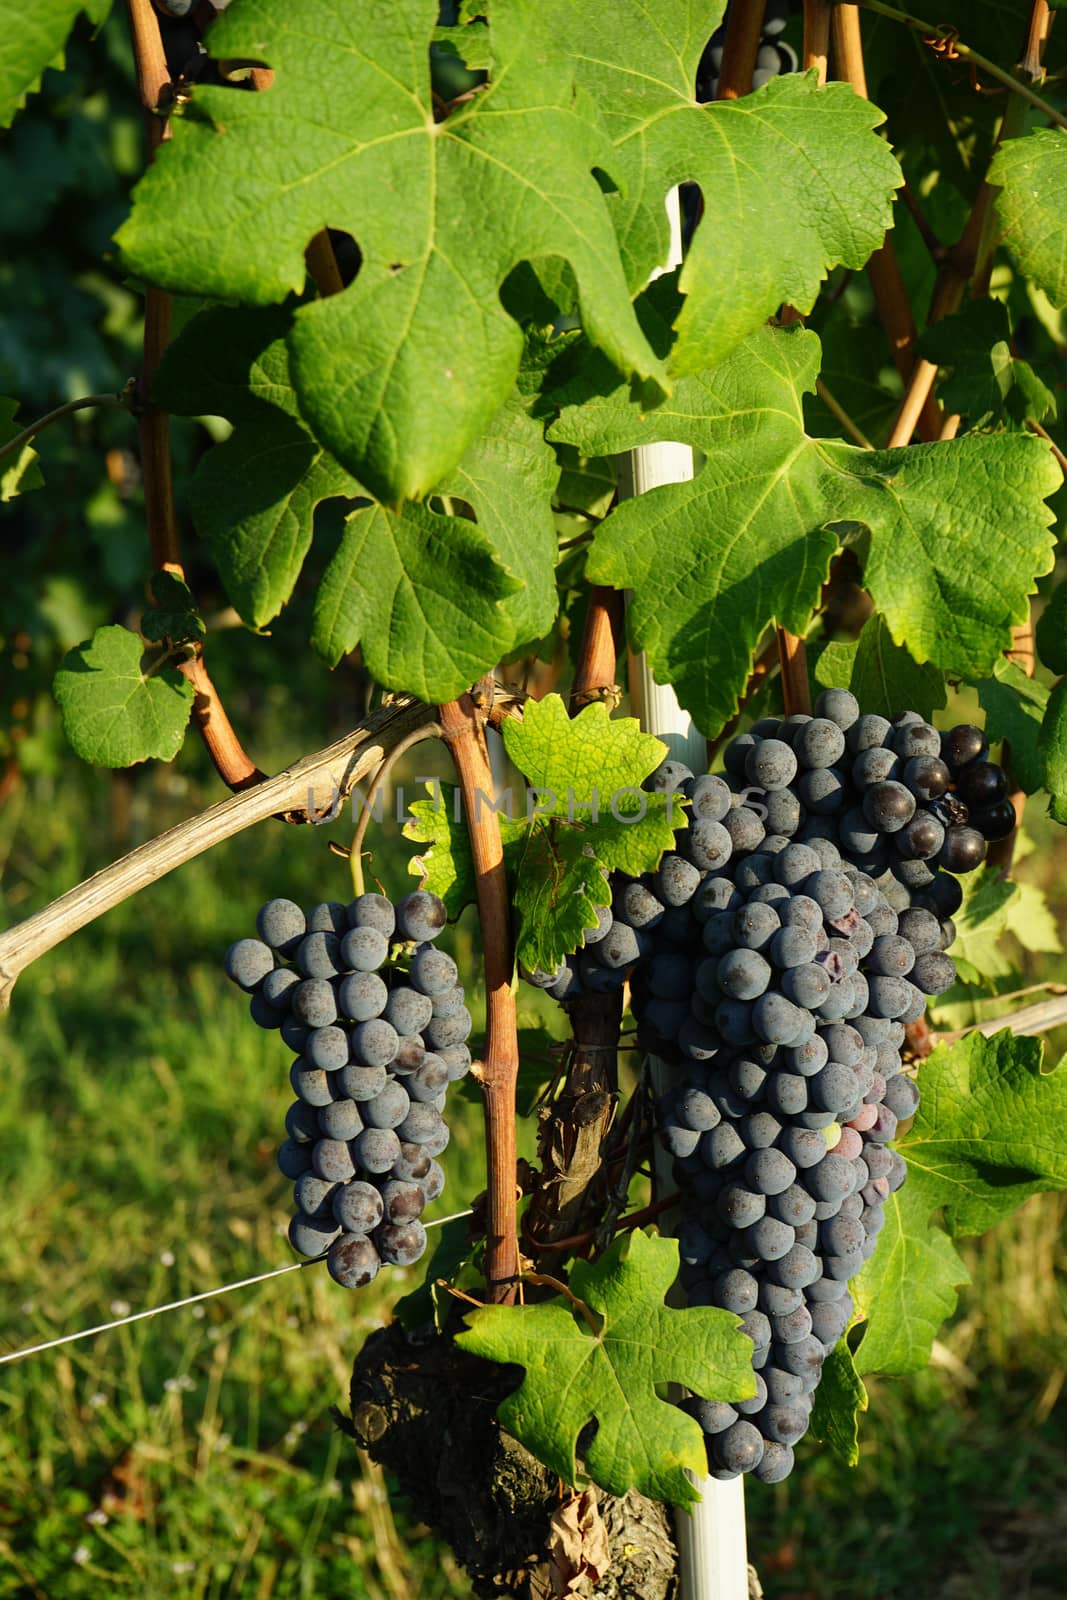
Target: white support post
712 1547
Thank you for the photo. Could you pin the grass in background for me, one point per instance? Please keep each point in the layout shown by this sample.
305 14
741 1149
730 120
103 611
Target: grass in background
193 1457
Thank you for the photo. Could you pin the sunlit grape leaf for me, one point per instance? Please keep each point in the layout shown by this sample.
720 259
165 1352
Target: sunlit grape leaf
795 181
883 676
1014 706
583 815
119 706
615 1374
1054 751
434 599
984 1139
981 923
32 38
958 531
400 372
22 471
908 1287
1031 174
986 382
839 1399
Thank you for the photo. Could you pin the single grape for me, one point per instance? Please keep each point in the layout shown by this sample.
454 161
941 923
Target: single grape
962 745
963 850
311 1236
310 1084
771 764
420 916
402 1202
353 1262
362 1083
745 828
793 1206
902 1098
769 1239
301 1123
875 765
407 1011
413 1165
282 925
798 1268
332 1159
914 739
840 706
357 1206
807 986
373 911
668 777
434 1182
675 882
377 1149
891 956
362 996
753 926
735 1291
327 1048
388 1108
920 840
738 1449
294 1159
996 821
710 798
784 814
428 1080
824 791
819 743
775 1019
433 971
363 949
787 1094
742 974
340 1120
769 1172
374 1044
277 990
888 806
247 963
318 955
708 847
713 1415
933 972
313 1003
740 1207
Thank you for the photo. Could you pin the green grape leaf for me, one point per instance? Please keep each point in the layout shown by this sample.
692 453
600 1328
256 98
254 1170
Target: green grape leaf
1014 706
443 597
957 531
1051 631
981 923
1033 921
801 182
398 374
254 496
173 614
859 375
1054 751
1031 175
31 39
614 1376
116 708
908 1287
20 472
986 383
839 1399
986 1135
584 815
882 675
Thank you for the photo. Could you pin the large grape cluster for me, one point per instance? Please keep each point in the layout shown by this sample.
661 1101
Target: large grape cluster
374 1013
775 956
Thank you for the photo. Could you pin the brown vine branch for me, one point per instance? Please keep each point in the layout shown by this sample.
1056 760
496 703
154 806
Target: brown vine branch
793 658
462 727
312 790
13 446
816 48
594 676
883 269
579 1241
1036 35
234 767
740 48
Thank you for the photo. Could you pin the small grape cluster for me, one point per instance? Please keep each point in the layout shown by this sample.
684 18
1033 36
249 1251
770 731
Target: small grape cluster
376 1018
775 957
774 56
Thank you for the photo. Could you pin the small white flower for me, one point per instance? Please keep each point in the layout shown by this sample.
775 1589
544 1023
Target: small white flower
171 1385
120 1308
166 1258
97 1400
198 1312
81 1555
98 1517
182 1568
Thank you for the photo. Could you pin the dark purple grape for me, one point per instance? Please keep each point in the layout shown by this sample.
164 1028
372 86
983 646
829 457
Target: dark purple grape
983 783
992 822
962 745
888 806
963 850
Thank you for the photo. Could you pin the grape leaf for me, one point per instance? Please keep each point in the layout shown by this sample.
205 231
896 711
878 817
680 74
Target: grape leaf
21 472
985 1138
1031 175
957 530
173 614
986 383
1054 751
116 709
981 922
1051 631
613 1376
986 1135
858 374
583 816
882 675
839 1399
794 177
908 1287
31 39
400 372
443 597
1014 706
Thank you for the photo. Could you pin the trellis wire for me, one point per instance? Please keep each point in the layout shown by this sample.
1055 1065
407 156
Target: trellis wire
190 1300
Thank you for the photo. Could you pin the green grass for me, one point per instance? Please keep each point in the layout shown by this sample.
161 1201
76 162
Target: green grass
194 1455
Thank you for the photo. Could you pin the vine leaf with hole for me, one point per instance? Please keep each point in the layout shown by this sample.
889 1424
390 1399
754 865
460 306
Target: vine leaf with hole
435 599
794 178
119 706
585 815
401 372
615 1376
984 1139
955 533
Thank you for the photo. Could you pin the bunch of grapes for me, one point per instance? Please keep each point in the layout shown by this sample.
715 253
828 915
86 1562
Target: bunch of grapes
775 957
375 1016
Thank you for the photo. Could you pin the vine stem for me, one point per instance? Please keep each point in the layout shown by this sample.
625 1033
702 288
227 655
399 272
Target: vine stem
587 1314
594 675
939 31
740 48
87 402
816 50
313 789
837 410
464 733
883 268
416 736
